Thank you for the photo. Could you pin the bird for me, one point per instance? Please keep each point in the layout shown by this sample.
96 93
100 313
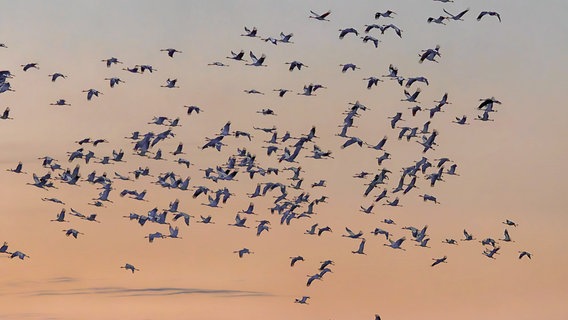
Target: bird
72 232
396 29
410 81
369 27
146 67
450 241
272 40
237 56
302 300
206 220
348 66
525 254
130 267
380 144
114 81
217 64
56 75
378 231
443 101
308 90
17 169
55 200
397 117
350 141
253 91
4 247
489 13
60 102
285 38
135 69
154 235
467 236
491 253
262 226
110 61
60 216
484 117
510 223
411 97
91 93
326 263
393 72
19 254
250 32
178 149
386 14
28 66
324 229
295 259
372 81
243 251
430 54
351 234
311 279
396 244
170 83
239 222
457 16
5 86
191 109
311 230
439 20
171 51
438 261
415 110
488 241
487 103
506 236
320 183
424 243
256 62
321 17
428 197
344 32
295 64
173 232
361 247
249 210
461 121
452 170
374 40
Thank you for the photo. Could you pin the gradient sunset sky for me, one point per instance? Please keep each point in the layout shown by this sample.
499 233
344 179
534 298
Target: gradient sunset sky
509 168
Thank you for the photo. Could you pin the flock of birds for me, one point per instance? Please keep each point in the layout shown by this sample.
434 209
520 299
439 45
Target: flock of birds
293 201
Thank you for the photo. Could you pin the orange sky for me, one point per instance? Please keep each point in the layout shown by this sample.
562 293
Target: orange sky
509 168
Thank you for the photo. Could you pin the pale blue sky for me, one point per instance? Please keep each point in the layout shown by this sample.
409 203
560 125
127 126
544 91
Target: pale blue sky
511 168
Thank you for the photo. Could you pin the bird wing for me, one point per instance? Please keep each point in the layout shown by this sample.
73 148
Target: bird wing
399 241
461 14
253 57
361 246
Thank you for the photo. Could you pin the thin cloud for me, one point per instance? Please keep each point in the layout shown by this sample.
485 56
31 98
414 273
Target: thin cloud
133 292
62 279
27 316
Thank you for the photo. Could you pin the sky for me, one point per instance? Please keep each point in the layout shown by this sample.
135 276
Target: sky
508 168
